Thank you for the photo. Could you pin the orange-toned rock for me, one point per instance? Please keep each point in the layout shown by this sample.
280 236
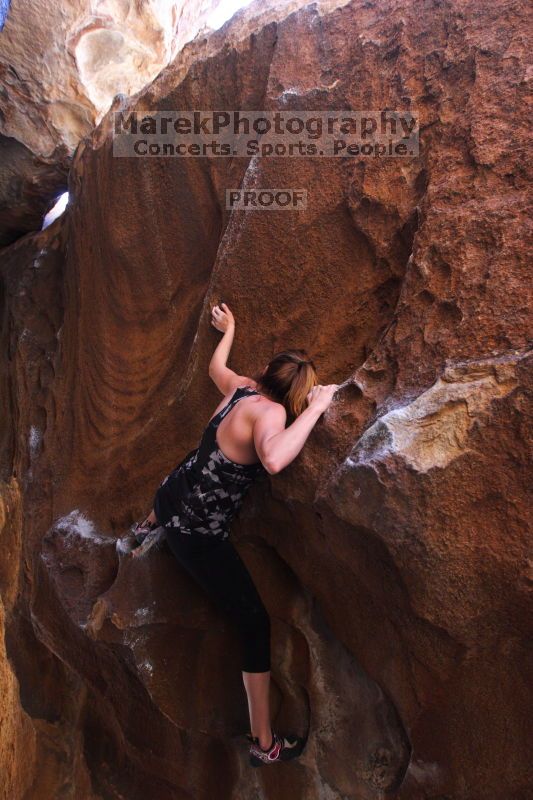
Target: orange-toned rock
392 554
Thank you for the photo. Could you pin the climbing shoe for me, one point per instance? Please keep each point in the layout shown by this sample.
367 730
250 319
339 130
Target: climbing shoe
141 530
282 748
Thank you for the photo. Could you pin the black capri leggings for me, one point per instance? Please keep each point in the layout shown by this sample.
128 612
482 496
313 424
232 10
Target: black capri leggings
217 566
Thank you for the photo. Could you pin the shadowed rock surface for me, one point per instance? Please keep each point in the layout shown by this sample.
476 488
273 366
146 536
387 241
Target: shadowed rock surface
392 554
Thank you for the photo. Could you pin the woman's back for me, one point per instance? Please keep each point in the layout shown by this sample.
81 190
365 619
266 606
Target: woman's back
234 434
202 494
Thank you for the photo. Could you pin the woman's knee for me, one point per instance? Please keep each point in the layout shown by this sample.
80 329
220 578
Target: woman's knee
253 625
255 636
262 624
254 617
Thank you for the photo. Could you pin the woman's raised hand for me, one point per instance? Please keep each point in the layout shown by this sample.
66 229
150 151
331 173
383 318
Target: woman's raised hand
221 317
320 397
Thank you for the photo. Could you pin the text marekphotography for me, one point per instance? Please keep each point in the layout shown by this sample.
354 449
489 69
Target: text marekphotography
266 134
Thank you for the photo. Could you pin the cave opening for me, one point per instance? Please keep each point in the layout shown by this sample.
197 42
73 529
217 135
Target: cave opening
57 209
224 11
4 8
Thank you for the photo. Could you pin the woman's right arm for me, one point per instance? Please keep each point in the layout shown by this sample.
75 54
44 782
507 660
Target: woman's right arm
276 445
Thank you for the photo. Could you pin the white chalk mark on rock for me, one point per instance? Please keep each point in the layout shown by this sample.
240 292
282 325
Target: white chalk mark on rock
77 524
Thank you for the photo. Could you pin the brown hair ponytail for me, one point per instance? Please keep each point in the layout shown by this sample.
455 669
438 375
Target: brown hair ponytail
287 379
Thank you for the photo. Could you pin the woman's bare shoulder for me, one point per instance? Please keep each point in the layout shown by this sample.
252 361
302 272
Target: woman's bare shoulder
271 409
263 404
246 383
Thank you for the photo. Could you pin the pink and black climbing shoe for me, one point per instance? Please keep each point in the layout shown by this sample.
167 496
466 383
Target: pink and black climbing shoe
141 530
282 748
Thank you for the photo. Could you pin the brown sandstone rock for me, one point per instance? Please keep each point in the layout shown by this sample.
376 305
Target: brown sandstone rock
392 553
61 64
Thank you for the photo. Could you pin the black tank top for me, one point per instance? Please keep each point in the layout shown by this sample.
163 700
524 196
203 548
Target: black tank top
202 494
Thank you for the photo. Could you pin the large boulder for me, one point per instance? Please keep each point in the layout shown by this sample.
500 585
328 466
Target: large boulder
392 554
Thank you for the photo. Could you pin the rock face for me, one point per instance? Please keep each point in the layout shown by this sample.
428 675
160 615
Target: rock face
392 554
67 62
61 64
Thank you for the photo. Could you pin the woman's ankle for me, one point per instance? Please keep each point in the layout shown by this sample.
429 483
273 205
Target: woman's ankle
266 741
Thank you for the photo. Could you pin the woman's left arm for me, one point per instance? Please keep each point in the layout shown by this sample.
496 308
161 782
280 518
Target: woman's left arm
225 378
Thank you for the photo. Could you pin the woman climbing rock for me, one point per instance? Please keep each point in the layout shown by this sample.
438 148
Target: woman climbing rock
258 428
